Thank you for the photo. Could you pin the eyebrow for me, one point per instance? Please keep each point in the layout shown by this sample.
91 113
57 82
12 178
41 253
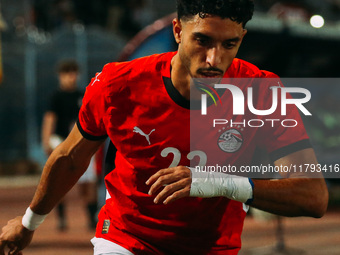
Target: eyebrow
199 34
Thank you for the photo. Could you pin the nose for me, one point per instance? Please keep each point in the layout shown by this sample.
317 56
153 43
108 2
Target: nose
214 56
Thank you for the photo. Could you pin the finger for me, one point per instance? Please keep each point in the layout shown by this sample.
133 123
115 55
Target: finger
163 181
158 174
2 247
173 175
14 251
170 189
177 195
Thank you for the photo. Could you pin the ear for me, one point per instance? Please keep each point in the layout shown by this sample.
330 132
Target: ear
244 33
177 30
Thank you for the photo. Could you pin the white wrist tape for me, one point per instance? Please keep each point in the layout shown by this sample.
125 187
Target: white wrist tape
216 184
31 220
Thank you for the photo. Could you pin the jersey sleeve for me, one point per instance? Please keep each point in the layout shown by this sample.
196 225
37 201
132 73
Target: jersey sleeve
92 112
283 134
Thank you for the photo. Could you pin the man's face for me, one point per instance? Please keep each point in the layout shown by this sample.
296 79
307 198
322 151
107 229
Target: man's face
207 46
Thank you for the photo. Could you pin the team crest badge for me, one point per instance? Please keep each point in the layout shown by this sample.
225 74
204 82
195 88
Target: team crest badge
106 226
230 140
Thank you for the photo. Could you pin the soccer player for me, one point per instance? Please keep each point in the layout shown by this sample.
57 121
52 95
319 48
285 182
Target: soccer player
155 205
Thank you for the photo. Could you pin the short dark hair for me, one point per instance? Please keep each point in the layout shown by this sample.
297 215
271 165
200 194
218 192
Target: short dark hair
66 66
240 11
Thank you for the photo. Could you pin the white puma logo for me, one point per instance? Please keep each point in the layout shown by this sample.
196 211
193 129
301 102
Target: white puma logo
139 131
96 79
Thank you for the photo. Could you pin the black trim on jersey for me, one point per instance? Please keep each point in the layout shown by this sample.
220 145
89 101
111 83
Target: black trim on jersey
284 151
182 101
88 136
110 159
174 93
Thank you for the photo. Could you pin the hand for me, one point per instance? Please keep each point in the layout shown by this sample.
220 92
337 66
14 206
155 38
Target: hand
173 183
15 236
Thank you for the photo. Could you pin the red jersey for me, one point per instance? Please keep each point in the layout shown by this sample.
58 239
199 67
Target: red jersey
148 121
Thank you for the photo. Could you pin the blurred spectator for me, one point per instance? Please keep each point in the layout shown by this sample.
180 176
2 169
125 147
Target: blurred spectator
58 121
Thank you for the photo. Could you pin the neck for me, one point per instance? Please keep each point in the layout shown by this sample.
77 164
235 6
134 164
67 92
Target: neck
180 77
68 88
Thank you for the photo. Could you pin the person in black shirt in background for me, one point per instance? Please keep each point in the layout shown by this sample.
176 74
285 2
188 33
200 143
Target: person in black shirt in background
57 123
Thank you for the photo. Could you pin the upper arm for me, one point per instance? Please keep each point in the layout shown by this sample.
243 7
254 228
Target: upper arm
299 164
304 166
78 148
307 178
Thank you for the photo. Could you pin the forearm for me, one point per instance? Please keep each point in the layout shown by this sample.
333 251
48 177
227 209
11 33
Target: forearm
62 170
59 175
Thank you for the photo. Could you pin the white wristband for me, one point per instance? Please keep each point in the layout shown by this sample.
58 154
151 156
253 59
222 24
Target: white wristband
216 184
31 220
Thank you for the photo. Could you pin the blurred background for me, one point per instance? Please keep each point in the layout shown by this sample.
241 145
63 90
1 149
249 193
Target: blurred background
299 38
293 38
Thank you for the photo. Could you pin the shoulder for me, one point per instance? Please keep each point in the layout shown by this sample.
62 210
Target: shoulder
123 71
116 77
243 69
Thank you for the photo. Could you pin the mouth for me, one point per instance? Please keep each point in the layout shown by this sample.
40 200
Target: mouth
211 75
210 72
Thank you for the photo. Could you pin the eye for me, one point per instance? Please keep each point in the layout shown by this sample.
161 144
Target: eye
229 45
202 41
